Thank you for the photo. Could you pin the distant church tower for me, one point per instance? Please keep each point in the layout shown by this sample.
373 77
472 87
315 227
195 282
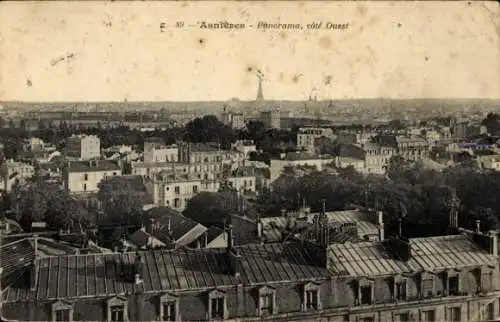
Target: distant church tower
260 91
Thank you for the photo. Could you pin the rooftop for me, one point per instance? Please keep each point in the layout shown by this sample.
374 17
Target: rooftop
427 254
93 166
78 276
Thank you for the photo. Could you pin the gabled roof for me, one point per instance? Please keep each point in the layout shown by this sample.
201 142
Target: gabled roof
182 228
97 275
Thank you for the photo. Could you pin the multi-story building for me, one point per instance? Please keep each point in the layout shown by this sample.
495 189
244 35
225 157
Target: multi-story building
306 136
174 189
444 278
85 176
294 159
377 158
410 148
158 152
271 119
14 172
358 137
82 147
244 147
238 121
203 153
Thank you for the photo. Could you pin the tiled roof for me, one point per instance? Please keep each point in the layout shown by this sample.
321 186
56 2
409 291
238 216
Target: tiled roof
179 225
74 276
93 166
427 254
15 258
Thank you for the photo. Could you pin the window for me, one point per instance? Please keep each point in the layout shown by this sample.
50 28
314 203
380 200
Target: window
85 177
428 316
62 311
454 314
168 311
367 319
195 189
266 304
490 312
311 300
117 313
402 317
117 309
427 287
177 190
400 290
267 301
84 187
217 308
217 305
486 281
177 203
365 294
453 285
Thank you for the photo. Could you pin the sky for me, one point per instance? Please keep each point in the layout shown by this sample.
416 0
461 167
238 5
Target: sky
115 51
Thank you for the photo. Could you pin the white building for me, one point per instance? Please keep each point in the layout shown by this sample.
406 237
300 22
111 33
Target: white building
176 189
245 147
85 176
83 147
157 152
307 136
15 172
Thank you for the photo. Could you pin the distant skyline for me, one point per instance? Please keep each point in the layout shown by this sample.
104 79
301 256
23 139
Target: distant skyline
114 51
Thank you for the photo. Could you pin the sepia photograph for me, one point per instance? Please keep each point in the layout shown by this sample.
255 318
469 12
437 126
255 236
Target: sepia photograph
250 161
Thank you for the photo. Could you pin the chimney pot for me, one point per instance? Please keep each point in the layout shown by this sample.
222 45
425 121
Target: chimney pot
478 226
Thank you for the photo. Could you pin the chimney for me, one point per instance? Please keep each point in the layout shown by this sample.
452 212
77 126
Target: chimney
259 228
380 225
493 242
478 226
400 227
34 265
138 268
234 258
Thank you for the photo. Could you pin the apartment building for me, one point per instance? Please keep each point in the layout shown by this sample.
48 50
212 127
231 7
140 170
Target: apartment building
411 148
85 176
443 278
175 189
271 119
14 172
158 152
82 147
306 137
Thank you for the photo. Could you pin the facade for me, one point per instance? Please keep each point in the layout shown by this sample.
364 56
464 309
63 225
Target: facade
85 176
205 170
445 278
293 159
203 153
306 137
83 147
174 189
410 148
377 158
14 172
243 183
157 152
271 119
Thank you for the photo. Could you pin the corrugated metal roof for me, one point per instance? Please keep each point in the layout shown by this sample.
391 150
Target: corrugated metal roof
427 254
91 275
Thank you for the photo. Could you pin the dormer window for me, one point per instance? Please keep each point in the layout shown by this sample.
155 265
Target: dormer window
62 311
117 309
169 308
400 288
217 306
365 292
267 301
311 298
453 283
486 279
427 285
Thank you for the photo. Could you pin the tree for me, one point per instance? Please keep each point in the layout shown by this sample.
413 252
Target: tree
209 129
122 204
492 122
212 208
